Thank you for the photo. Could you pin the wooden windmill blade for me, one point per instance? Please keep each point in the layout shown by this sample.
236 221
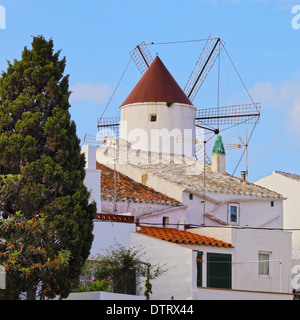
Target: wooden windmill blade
208 56
141 57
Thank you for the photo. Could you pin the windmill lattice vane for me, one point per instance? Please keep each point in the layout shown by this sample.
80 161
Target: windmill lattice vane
141 57
246 114
208 56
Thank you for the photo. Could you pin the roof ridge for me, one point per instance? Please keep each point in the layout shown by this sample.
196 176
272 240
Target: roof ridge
294 176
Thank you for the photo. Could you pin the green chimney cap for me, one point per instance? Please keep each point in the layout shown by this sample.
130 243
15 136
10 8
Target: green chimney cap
219 147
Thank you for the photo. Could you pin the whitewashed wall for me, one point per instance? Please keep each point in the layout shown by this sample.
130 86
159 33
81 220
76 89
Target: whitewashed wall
180 260
101 295
176 120
176 216
108 234
176 259
254 212
248 243
290 189
219 294
181 280
92 179
135 208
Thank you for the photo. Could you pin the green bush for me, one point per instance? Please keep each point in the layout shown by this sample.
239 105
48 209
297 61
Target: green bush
95 285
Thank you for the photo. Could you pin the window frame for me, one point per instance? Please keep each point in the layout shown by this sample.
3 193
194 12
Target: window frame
266 264
237 206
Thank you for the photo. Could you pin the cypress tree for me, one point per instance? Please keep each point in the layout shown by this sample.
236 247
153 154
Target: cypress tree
39 145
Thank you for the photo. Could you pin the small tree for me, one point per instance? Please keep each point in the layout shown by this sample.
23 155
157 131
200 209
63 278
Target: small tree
30 256
120 264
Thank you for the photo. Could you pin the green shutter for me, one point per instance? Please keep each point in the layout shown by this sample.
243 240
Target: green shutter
199 269
219 270
126 284
131 282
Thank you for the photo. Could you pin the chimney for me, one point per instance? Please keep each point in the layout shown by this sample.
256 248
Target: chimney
244 175
218 156
90 156
92 179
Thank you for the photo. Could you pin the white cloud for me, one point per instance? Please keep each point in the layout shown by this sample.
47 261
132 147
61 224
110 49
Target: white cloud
294 118
95 93
285 96
267 93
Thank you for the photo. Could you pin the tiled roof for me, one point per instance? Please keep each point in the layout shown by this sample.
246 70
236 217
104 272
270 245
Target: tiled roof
114 217
128 189
189 173
182 237
289 175
157 85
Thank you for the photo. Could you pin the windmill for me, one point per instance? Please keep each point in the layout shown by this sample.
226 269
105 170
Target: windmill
213 120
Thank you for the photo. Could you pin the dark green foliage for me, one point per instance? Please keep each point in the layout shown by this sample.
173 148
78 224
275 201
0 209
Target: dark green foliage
38 143
121 266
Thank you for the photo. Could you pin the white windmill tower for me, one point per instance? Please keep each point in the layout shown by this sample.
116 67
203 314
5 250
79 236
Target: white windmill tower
156 111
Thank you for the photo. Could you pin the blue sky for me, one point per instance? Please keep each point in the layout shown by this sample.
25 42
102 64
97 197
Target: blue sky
96 37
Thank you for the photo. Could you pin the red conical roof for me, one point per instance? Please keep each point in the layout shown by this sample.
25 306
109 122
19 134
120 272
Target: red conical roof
157 85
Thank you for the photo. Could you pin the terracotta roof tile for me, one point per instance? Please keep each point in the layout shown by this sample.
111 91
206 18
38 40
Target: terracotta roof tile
182 237
189 174
130 189
157 85
114 217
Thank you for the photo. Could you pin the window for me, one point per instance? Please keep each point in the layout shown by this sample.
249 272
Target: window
165 221
219 272
191 196
264 264
153 117
272 203
233 213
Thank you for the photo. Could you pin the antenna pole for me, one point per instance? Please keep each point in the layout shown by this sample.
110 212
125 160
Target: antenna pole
204 184
219 87
246 155
115 179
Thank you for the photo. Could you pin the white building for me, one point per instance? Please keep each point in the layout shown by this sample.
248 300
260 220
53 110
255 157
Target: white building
201 267
288 185
171 196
